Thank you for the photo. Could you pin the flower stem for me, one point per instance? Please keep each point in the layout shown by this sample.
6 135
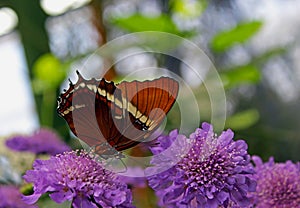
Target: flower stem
47 107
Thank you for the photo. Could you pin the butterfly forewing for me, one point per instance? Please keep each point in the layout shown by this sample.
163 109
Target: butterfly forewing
116 117
152 100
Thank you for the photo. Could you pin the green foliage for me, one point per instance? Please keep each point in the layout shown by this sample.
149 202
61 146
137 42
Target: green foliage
27 189
266 56
239 34
188 9
48 73
242 120
249 74
47 202
139 23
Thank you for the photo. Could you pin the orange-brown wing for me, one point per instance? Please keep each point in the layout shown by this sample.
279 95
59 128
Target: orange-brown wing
105 116
147 104
88 108
77 107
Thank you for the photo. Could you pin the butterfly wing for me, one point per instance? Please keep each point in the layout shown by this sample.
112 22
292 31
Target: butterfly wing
147 104
104 115
109 102
77 107
89 107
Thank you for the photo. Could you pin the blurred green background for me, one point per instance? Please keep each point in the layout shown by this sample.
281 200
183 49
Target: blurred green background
254 45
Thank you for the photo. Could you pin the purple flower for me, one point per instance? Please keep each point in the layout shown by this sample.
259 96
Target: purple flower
78 178
11 197
43 141
210 171
278 184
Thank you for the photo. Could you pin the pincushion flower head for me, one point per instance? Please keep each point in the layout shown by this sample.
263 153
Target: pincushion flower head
213 171
278 184
76 177
43 141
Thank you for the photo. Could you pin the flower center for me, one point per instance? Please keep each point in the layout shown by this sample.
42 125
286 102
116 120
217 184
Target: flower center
281 191
202 172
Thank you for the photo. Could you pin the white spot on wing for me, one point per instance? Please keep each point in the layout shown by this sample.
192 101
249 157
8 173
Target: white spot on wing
79 106
102 92
118 117
92 88
110 97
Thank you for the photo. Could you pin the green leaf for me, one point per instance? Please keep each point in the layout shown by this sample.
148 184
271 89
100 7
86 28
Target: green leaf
240 34
48 72
46 202
249 74
139 23
264 57
188 9
242 120
27 189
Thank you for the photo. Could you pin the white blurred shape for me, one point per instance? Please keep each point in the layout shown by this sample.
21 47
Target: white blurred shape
8 20
281 25
17 109
296 62
150 8
133 60
195 67
281 21
238 55
7 174
280 78
119 9
57 7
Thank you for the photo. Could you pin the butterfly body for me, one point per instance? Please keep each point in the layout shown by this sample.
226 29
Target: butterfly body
112 118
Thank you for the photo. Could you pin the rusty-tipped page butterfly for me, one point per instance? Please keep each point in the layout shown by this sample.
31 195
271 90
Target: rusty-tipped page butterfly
114 117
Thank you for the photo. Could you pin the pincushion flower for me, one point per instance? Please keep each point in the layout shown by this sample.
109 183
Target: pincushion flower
278 184
211 172
43 141
76 177
10 197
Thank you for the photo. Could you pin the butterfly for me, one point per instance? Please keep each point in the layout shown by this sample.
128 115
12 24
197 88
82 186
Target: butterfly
113 117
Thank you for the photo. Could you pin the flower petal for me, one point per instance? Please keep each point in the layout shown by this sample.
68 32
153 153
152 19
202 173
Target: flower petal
31 199
83 202
62 196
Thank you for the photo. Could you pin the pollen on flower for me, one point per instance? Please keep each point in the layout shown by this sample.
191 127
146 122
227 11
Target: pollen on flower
216 171
278 184
77 177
